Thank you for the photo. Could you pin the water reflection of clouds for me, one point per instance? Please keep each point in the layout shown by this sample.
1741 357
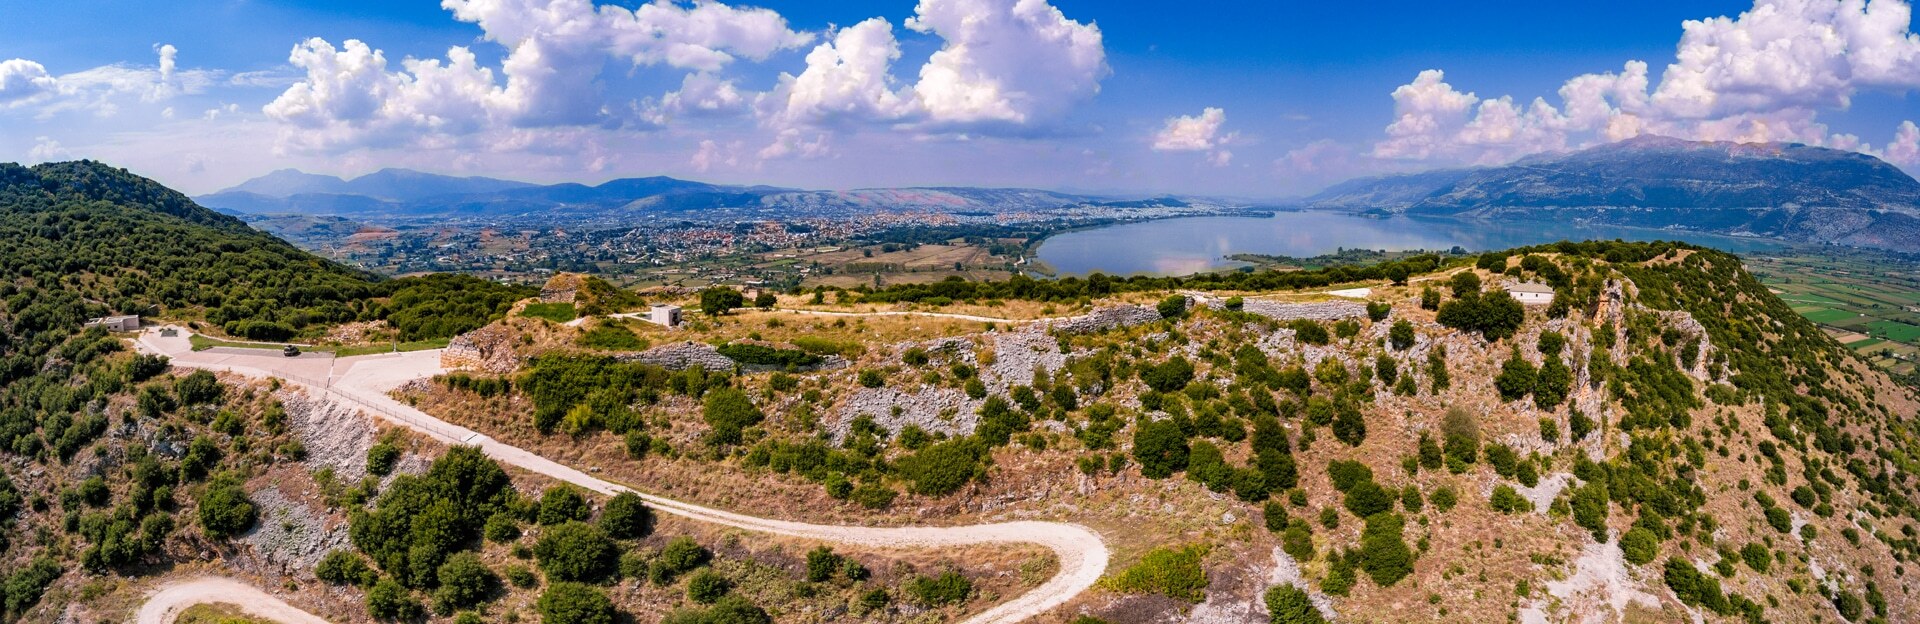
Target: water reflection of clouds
1189 245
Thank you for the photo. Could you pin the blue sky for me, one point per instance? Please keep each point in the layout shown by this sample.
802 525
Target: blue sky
1256 99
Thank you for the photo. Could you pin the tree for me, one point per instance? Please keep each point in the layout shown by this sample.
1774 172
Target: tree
576 551
1383 554
1401 335
1429 299
464 582
197 388
1368 498
1465 283
729 411
821 564
1287 604
1639 545
720 300
1378 310
626 517
765 300
342 567
1174 306
1551 386
680 555
1348 425
1516 378
943 468
1160 447
225 510
707 586
574 603
1168 376
562 503
388 600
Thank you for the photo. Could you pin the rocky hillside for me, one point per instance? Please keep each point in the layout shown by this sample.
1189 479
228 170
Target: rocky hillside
1790 191
1665 441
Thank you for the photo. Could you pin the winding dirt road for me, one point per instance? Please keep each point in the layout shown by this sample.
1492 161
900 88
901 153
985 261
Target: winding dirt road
364 382
166 605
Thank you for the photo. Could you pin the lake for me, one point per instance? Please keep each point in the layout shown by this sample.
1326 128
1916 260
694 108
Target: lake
1195 244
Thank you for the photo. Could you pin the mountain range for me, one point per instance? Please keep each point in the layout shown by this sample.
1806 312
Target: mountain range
411 194
1781 190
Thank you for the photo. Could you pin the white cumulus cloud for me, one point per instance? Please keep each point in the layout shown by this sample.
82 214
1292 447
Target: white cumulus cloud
1011 61
1761 76
846 81
550 78
1198 133
22 81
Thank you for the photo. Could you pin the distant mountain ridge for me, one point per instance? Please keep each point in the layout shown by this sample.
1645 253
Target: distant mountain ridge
404 193
386 184
1783 190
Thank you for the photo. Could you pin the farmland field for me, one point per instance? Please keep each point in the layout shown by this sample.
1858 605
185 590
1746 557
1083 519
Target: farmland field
1827 315
1867 300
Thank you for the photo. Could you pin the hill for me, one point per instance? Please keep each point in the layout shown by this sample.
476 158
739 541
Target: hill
1791 191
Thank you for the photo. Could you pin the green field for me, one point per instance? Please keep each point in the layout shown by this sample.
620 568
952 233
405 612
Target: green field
1864 291
1828 315
1895 331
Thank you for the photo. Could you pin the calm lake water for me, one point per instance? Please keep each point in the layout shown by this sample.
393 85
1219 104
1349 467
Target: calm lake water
1195 244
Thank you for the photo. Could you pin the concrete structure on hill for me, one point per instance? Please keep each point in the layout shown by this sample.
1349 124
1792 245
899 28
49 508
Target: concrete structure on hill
664 315
1531 293
130 322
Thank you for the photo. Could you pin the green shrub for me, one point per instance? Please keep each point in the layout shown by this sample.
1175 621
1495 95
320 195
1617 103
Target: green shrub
464 582
574 603
728 412
938 591
1368 498
1757 556
1444 498
225 510
626 517
679 556
1383 554
707 586
576 551
1297 540
943 468
342 567
1174 306
501 528
1168 376
387 600
555 312
563 503
1160 447
821 564
1175 573
1287 604
1639 545
612 337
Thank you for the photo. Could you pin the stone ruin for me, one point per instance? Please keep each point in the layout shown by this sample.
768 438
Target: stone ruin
486 350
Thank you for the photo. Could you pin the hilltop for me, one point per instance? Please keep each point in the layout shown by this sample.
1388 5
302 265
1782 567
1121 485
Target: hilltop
1782 190
1666 440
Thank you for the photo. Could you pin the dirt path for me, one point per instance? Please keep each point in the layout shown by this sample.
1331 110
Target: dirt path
364 382
173 599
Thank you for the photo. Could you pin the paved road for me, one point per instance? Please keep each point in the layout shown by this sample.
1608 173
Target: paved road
364 382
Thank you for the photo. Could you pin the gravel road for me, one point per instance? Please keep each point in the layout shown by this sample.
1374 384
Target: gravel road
364 382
